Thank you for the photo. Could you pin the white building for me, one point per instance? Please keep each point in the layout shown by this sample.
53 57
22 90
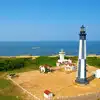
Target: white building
48 94
70 68
97 73
61 55
45 68
42 69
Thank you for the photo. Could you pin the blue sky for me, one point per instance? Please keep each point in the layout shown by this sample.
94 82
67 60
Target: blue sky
47 20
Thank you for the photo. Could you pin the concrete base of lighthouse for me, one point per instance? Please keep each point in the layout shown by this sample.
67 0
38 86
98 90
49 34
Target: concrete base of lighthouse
81 81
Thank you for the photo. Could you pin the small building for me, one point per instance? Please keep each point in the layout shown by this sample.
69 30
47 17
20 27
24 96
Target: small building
48 94
42 69
45 68
97 73
70 67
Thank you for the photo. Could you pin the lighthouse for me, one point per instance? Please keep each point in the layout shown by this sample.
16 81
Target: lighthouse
62 54
81 72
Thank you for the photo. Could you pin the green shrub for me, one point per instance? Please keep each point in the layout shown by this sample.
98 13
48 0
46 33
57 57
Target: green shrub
11 63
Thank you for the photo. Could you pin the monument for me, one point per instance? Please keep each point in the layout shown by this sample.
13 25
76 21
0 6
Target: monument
81 71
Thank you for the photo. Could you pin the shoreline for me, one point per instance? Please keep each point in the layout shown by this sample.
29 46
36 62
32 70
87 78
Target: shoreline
20 56
32 56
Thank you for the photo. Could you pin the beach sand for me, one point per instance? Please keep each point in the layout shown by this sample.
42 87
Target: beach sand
22 56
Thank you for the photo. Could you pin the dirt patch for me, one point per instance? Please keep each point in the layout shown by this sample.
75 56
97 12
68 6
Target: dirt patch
59 82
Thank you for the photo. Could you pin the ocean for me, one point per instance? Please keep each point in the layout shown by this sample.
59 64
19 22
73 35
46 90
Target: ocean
45 48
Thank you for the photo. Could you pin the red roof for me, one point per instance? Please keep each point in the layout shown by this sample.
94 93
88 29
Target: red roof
47 66
47 92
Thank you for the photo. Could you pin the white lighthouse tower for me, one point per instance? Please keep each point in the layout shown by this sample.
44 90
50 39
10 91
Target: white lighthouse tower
61 54
81 72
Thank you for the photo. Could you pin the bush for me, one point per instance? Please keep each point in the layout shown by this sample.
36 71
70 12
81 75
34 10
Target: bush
11 63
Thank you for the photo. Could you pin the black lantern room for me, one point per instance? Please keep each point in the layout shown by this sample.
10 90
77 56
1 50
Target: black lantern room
82 33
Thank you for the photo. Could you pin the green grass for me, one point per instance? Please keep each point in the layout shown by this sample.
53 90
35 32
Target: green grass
74 58
9 98
93 61
27 64
9 91
4 83
34 64
45 60
25 69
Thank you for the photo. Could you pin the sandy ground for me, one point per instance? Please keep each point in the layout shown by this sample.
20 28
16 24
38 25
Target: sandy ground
23 56
28 56
58 82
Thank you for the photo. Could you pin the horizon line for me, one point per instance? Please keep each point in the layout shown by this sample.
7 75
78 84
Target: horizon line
53 41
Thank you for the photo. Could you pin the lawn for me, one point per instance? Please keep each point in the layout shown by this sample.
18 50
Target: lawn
4 83
9 91
9 98
94 61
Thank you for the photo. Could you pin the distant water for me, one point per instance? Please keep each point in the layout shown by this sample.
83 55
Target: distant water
45 48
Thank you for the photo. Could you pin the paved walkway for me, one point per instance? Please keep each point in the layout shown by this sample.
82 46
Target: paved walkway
93 96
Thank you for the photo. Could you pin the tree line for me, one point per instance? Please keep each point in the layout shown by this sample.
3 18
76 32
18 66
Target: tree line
7 64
